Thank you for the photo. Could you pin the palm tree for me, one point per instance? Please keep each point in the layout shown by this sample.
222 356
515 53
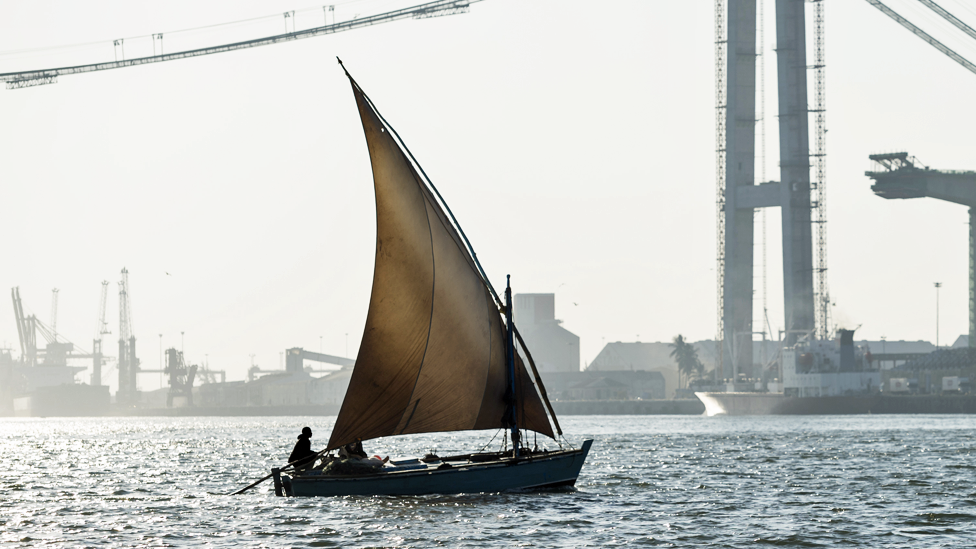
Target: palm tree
686 356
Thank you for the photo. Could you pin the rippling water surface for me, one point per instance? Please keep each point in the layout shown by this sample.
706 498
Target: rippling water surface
814 481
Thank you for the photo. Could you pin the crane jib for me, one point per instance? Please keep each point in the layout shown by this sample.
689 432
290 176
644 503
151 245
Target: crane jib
24 79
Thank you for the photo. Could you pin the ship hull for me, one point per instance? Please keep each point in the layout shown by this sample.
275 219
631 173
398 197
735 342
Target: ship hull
740 404
75 400
539 471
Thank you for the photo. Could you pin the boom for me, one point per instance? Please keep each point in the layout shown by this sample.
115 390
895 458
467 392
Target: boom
922 34
949 17
101 328
25 330
54 313
437 8
101 325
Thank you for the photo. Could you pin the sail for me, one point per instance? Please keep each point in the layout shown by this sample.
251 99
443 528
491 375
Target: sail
432 357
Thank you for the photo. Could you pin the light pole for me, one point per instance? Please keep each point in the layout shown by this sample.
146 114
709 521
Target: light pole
937 286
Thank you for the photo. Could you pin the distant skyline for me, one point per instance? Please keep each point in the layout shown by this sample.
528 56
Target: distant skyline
574 142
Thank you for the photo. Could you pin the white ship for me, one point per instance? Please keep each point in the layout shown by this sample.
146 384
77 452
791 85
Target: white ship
818 377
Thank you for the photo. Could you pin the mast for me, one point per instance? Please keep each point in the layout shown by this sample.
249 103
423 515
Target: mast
510 364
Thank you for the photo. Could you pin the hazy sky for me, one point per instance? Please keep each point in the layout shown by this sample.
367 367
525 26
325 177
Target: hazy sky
573 140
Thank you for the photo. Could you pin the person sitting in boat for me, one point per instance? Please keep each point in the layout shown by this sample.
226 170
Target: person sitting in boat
302 456
353 449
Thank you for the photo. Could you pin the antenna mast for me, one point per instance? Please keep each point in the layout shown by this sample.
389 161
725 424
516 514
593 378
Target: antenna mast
721 43
54 312
101 328
761 108
128 363
822 299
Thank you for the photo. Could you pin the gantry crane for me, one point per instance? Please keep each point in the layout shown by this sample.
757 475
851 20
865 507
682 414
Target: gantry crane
180 377
24 79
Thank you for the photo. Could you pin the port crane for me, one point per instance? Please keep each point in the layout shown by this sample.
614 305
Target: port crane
901 176
47 366
181 377
57 349
438 8
25 330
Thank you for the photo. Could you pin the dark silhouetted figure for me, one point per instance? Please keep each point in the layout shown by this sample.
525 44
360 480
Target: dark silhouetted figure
303 454
353 449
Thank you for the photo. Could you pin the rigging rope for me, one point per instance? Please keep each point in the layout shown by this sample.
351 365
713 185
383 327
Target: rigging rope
483 448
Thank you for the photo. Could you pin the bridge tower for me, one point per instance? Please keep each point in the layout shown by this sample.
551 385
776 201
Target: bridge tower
739 195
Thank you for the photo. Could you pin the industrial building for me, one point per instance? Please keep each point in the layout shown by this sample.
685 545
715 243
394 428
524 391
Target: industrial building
292 390
650 356
556 352
607 385
554 348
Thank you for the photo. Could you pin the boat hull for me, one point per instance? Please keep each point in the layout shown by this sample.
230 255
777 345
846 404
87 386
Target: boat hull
67 400
756 404
742 404
538 471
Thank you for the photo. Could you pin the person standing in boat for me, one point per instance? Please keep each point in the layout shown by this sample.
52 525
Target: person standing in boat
302 456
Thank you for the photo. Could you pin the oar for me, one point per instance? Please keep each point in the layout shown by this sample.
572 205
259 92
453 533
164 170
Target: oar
255 483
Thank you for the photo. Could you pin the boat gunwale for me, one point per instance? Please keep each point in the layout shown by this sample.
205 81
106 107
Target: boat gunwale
509 462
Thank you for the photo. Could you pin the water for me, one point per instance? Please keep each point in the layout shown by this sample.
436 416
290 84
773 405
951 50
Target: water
655 481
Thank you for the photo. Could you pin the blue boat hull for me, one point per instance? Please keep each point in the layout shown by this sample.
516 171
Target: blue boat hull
537 471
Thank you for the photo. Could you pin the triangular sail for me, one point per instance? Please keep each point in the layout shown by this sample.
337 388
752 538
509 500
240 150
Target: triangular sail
432 357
